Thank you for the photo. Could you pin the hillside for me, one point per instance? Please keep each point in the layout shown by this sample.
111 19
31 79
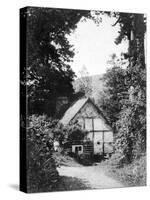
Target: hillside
94 82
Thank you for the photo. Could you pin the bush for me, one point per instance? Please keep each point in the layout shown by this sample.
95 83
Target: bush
41 169
75 133
84 160
117 160
136 172
133 174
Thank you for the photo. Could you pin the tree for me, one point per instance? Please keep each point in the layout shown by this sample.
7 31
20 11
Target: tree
115 90
132 123
84 83
126 103
48 73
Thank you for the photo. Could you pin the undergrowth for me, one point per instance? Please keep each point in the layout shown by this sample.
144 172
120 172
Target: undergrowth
133 174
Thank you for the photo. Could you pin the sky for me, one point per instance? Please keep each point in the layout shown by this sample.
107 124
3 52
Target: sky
94 44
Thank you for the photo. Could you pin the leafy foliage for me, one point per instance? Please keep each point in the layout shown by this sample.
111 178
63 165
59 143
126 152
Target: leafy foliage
115 93
41 168
132 123
48 73
75 133
85 160
133 174
126 103
84 83
41 165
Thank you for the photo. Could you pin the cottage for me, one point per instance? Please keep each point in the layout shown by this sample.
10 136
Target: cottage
99 132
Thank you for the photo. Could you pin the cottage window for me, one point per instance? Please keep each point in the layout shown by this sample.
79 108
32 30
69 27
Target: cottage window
78 148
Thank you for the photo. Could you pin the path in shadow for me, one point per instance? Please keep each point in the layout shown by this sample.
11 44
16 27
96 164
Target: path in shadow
67 183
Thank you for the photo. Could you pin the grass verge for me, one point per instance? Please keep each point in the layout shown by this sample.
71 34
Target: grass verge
133 174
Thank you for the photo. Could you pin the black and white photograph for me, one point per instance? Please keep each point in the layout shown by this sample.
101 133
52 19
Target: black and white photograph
82 99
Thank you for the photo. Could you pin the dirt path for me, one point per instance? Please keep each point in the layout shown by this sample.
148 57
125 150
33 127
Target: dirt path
93 177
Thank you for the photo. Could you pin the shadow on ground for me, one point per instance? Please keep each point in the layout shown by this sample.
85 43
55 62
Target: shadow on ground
14 186
70 183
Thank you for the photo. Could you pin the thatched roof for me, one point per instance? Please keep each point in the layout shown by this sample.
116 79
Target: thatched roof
73 110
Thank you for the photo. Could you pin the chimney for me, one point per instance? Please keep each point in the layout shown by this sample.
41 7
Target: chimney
60 102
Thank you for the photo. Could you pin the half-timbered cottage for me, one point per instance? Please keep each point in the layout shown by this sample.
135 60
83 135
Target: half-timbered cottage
91 118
